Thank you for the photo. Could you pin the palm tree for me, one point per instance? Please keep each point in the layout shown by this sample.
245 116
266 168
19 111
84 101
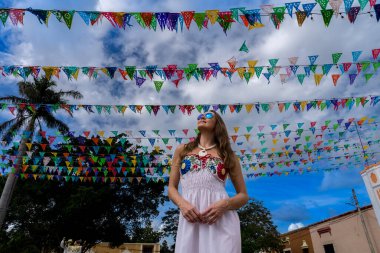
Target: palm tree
40 92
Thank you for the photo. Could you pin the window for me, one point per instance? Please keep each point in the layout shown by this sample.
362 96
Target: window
305 250
329 248
148 248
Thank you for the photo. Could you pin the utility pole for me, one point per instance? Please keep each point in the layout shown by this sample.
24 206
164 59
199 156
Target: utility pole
363 222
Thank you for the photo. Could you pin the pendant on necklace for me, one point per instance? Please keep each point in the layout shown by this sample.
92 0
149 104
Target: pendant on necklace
202 153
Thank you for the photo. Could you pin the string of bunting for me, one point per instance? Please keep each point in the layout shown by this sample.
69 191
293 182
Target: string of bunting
176 74
187 109
174 21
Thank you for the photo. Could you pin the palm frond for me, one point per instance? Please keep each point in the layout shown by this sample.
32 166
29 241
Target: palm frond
8 135
5 125
13 99
52 122
70 93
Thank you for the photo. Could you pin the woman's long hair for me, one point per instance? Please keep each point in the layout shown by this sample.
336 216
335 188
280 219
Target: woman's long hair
222 142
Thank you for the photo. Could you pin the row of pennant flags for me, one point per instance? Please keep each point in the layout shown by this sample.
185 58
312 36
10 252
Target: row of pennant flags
250 18
187 109
177 74
317 129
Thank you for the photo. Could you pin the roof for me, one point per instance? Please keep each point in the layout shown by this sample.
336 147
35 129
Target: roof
363 208
369 167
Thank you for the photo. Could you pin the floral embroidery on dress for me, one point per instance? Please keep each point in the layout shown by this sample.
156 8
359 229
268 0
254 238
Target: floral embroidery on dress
194 162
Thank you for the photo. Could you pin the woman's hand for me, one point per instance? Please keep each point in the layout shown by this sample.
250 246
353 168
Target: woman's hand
190 213
215 211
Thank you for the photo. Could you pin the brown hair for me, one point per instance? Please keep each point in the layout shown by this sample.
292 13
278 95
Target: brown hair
222 143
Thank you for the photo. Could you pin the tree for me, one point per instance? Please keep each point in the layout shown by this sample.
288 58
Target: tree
258 233
39 92
257 229
44 211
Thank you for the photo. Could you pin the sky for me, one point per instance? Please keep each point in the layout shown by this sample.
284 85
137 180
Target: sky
294 200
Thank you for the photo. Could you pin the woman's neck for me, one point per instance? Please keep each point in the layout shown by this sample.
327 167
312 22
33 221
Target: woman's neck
207 139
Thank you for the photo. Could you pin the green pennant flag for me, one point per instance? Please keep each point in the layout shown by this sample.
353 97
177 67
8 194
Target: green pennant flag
313 68
258 71
153 23
279 12
130 71
158 85
199 108
247 76
327 122
165 140
376 65
149 108
323 106
363 4
365 65
273 62
336 57
335 126
67 16
299 131
322 3
142 73
196 131
199 19
265 107
307 138
287 105
139 19
327 15
4 16
285 126
244 48
368 76
301 77
249 128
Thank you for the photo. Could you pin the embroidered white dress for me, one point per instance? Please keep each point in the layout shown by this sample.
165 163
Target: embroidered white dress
203 183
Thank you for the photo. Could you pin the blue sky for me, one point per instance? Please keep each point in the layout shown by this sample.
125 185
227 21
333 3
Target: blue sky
292 199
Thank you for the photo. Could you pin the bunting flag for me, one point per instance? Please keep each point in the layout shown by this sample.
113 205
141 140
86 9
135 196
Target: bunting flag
176 74
173 21
244 48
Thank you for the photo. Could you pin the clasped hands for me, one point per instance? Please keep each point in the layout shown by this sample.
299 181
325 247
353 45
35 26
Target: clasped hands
209 216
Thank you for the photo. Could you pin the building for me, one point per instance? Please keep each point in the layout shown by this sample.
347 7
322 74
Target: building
104 247
342 233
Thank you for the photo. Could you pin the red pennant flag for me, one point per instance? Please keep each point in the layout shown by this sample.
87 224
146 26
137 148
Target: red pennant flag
234 138
312 124
82 148
86 133
187 18
346 66
335 78
185 131
95 140
375 53
43 146
124 74
147 17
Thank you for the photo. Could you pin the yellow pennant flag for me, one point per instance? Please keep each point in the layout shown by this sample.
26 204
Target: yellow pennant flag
133 169
318 78
303 105
254 150
75 74
67 163
248 107
212 15
29 145
252 63
241 72
109 140
236 129
275 141
134 163
247 136
101 133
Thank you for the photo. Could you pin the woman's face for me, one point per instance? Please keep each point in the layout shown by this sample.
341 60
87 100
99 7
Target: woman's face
206 121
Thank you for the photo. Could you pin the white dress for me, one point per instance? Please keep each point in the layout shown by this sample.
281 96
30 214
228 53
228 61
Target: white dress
203 183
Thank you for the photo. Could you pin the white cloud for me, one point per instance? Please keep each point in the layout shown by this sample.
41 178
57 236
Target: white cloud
294 226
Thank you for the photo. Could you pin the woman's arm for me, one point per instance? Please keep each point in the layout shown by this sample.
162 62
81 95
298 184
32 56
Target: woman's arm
189 211
241 198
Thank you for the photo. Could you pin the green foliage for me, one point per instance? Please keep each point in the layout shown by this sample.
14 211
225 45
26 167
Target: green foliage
257 230
43 212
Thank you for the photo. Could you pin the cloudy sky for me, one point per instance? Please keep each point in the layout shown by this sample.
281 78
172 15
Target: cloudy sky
294 200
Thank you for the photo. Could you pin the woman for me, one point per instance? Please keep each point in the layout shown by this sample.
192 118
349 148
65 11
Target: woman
208 221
